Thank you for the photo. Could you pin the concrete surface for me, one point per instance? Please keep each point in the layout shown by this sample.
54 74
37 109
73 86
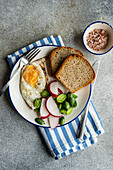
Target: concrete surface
23 22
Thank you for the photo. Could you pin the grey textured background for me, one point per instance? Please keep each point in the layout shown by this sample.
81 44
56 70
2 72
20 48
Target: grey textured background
23 22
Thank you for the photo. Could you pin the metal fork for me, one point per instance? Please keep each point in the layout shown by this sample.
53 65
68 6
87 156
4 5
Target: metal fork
25 60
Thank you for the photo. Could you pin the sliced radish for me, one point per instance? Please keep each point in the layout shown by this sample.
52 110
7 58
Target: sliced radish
53 88
52 107
53 121
60 91
61 88
43 111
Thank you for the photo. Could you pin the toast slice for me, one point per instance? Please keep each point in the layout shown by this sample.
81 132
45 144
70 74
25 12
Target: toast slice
75 73
58 55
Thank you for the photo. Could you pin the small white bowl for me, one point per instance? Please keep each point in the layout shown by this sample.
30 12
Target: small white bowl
98 25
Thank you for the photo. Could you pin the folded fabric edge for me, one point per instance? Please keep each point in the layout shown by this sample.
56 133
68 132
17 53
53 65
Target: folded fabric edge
98 116
56 151
50 40
67 152
73 149
45 41
49 149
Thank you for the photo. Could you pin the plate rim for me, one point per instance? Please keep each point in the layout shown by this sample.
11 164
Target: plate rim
41 125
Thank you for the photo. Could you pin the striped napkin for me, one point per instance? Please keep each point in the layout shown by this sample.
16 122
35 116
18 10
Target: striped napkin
62 141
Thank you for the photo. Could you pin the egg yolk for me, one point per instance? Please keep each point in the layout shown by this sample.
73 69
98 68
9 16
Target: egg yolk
31 75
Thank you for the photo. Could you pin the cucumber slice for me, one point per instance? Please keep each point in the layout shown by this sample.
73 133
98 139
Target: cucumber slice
61 98
69 111
37 103
62 120
45 93
40 121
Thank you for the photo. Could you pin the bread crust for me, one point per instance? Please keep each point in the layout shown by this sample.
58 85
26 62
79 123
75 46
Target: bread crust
57 49
62 66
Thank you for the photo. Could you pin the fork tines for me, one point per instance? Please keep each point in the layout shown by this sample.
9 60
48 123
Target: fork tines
32 54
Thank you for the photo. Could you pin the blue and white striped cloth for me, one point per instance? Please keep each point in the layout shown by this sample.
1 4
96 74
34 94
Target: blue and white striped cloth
62 141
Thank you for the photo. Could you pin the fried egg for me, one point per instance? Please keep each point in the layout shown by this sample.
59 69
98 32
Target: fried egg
33 82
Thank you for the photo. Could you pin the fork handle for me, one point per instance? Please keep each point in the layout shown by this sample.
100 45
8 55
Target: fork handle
82 128
9 82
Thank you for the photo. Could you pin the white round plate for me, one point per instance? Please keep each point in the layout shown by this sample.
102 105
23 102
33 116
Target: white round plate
30 115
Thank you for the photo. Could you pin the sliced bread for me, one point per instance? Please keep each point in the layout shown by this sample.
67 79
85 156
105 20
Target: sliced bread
76 72
58 55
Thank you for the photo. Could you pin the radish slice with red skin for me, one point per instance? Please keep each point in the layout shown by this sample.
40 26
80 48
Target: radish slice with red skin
53 121
55 87
61 88
52 107
43 111
60 91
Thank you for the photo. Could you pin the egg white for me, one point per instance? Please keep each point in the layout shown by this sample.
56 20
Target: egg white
29 92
